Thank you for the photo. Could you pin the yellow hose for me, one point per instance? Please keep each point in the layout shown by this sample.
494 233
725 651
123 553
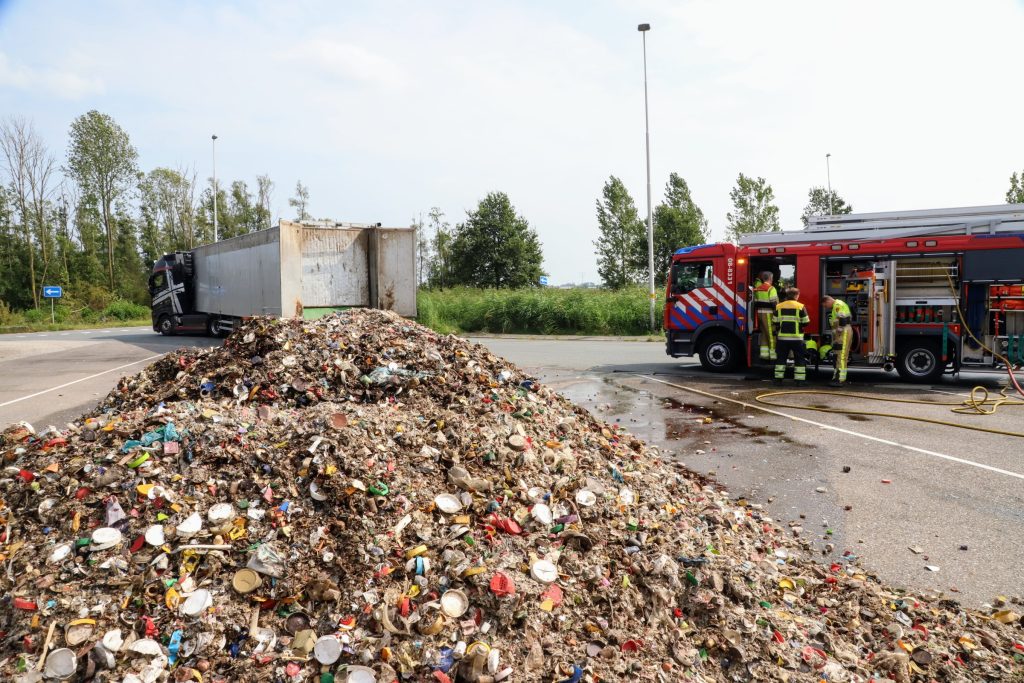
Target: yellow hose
980 402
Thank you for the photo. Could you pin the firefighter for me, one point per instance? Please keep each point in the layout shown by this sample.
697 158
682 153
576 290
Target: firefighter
841 321
765 300
790 319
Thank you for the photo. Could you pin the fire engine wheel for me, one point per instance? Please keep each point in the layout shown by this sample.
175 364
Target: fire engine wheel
165 326
718 352
920 361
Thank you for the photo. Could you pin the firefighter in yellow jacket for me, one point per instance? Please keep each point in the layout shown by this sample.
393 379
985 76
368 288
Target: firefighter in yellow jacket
790 319
765 299
840 319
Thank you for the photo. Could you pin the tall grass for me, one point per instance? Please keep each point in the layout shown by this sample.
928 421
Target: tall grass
68 314
536 311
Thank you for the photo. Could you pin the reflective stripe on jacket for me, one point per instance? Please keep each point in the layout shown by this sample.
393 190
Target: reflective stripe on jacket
790 317
840 314
765 295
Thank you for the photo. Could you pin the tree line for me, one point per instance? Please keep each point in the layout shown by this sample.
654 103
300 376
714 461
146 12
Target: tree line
93 221
495 239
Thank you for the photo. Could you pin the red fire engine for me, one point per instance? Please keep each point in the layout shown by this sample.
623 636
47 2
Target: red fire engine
903 274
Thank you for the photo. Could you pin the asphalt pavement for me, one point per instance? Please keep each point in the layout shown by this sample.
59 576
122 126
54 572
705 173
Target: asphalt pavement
902 495
53 377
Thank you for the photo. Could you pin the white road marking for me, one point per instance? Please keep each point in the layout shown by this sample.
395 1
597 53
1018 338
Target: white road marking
64 334
86 331
948 393
849 432
83 379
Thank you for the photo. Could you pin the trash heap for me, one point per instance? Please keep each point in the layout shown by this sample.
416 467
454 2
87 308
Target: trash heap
361 499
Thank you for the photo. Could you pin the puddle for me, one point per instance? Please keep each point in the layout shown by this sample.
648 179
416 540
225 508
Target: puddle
859 418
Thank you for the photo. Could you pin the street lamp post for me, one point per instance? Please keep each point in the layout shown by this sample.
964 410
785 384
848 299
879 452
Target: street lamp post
214 188
828 171
644 28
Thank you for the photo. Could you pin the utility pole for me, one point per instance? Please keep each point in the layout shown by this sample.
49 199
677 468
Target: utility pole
214 188
644 28
828 171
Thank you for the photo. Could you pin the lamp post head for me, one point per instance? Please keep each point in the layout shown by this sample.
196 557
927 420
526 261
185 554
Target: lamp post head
828 155
643 27
214 137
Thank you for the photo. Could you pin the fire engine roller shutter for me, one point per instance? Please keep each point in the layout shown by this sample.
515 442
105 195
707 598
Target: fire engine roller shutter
993 264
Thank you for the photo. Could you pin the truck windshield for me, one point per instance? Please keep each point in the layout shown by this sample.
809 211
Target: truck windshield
156 282
687 277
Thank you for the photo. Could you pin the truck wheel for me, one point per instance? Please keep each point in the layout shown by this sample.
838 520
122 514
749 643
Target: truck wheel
165 326
920 362
719 352
211 327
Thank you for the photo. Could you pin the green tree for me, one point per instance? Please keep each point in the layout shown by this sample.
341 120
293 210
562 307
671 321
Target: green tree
423 251
678 222
14 273
1015 195
167 211
129 269
622 245
495 247
300 201
441 249
102 160
264 196
818 204
754 208
246 213
14 143
225 223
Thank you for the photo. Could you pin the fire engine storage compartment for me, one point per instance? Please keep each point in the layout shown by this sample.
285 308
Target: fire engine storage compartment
306 269
994 305
866 287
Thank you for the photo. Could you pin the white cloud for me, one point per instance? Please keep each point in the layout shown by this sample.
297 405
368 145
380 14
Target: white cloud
61 81
335 59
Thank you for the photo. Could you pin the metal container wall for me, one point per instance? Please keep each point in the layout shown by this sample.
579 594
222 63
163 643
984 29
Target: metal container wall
335 266
285 269
396 270
240 276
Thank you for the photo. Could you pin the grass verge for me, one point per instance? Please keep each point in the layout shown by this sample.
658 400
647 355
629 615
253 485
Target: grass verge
115 314
536 311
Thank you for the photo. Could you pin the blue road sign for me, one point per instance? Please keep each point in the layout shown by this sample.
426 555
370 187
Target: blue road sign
53 292
543 280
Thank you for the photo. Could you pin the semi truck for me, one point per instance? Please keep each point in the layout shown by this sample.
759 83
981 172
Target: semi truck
295 269
931 291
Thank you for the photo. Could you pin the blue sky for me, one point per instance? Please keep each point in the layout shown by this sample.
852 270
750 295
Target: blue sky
385 109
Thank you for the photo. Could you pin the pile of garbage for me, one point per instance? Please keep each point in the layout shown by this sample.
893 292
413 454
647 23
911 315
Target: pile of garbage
360 499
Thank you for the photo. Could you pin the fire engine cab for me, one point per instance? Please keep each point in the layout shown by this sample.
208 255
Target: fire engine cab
914 281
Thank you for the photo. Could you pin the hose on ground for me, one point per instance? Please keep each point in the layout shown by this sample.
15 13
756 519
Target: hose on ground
980 402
